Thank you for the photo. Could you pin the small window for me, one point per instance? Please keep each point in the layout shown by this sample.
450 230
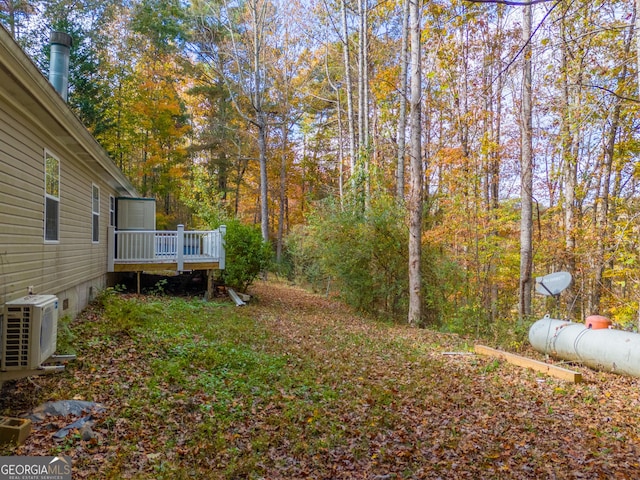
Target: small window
95 210
112 211
51 198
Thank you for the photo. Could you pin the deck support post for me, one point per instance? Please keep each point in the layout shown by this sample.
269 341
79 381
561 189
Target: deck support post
180 248
111 249
210 284
222 255
138 281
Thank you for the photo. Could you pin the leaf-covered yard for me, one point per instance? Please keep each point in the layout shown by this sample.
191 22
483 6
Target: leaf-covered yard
297 386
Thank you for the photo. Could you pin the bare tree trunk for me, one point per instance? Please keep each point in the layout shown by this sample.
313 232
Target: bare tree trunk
260 122
415 153
340 133
570 164
340 153
402 116
603 203
637 10
494 166
526 185
366 140
12 18
493 106
283 190
361 67
363 97
349 88
264 197
494 187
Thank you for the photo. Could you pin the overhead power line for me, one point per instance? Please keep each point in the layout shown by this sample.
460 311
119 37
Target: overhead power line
509 2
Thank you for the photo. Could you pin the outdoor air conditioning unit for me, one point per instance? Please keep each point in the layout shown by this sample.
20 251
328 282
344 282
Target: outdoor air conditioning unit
28 332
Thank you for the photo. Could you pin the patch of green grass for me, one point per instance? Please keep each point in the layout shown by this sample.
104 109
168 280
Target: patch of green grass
235 370
492 366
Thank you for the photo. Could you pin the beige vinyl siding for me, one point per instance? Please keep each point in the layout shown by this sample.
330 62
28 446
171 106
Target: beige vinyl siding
25 259
21 195
34 119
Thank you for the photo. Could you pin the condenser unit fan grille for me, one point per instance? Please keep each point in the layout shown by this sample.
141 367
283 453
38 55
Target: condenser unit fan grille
18 330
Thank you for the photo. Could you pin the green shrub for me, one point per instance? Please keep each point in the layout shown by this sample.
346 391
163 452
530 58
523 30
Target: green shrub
247 255
303 255
366 256
65 338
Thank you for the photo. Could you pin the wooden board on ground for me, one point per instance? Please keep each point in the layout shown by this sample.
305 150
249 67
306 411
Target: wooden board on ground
235 297
552 370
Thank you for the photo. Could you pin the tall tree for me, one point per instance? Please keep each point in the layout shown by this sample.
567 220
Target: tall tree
89 71
346 52
234 41
415 204
402 92
569 147
526 172
364 156
13 13
286 85
637 27
604 200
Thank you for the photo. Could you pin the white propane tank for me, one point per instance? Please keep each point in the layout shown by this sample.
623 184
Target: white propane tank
603 349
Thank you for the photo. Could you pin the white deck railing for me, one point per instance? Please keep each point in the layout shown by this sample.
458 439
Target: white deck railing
163 246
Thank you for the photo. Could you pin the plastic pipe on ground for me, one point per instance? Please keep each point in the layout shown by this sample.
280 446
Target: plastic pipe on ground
604 349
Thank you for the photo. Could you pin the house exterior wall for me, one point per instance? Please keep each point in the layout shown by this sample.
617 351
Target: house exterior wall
35 121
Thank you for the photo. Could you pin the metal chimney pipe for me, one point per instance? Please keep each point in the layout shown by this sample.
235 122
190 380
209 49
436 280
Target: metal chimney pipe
59 62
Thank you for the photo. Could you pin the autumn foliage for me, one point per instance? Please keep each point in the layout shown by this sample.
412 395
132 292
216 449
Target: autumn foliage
270 111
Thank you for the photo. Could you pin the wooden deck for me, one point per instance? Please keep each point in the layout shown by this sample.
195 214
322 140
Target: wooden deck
166 266
162 250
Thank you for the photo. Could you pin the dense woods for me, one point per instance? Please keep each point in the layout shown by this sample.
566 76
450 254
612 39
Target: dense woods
506 136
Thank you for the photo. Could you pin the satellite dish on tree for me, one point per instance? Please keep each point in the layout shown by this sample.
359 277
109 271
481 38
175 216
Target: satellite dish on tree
553 284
